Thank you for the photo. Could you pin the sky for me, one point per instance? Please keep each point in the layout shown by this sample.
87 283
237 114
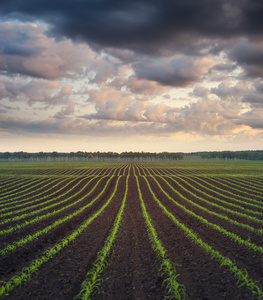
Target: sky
141 75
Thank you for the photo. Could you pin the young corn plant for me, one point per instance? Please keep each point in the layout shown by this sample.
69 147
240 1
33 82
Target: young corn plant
33 184
30 238
235 188
93 280
25 274
174 289
218 228
47 207
246 226
215 189
241 275
28 207
230 211
12 203
26 223
228 198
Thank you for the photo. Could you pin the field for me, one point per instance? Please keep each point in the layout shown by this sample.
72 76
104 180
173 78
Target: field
179 230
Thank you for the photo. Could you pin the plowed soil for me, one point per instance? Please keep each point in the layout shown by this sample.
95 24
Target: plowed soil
133 269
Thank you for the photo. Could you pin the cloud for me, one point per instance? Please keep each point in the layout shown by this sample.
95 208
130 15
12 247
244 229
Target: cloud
138 87
141 25
111 104
243 91
32 91
7 108
252 118
144 87
249 55
26 50
21 50
66 111
179 71
106 68
227 91
200 91
253 99
224 67
205 117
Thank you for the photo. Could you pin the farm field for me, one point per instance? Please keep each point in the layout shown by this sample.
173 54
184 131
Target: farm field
135 230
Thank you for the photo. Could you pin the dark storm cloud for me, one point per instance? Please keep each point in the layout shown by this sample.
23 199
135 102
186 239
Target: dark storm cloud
249 56
180 71
174 73
256 99
259 87
21 50
141 25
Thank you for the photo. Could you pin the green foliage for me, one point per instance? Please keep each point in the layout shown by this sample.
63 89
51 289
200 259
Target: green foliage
25 274
29 238
240 274
218 228
174 289
221 216
16 191
93 280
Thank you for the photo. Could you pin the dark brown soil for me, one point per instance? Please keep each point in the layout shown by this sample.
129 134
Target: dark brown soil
132 270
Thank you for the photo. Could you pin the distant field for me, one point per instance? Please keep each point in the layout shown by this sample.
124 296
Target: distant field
181 230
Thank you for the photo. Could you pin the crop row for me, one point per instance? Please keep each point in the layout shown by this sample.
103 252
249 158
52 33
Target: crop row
49 191
218 228
25 275
240 274
197 196
30 238
27 198
63 208
225 193
8 184
92 280
33 183
39 197
174 288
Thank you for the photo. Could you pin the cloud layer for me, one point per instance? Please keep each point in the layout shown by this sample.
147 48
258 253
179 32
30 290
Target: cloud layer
130 68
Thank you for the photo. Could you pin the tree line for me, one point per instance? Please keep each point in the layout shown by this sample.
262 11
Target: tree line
87 156
231 155
130 156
